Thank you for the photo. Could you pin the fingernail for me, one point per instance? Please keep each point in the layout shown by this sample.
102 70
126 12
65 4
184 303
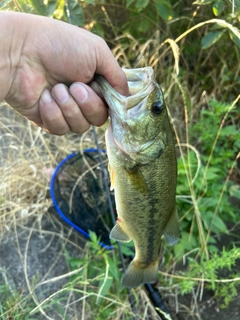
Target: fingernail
79 92
46 96
60 93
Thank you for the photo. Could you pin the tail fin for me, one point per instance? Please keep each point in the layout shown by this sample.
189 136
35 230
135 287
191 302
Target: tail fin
135 275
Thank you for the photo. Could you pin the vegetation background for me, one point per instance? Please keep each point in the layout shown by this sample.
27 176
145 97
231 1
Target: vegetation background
48 271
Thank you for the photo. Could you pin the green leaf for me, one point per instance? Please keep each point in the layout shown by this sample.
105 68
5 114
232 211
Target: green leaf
39 7
211 175
164 10
114 269
76 13
144 25
90 2
75 263
210 38
216 224
129 2
229 131
127 248
234 38
217 7
140 4
185 244
93 236
234 191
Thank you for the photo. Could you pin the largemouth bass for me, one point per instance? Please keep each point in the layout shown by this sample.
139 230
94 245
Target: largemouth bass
143 171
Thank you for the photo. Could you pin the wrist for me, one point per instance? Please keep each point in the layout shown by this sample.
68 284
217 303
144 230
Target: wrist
11 41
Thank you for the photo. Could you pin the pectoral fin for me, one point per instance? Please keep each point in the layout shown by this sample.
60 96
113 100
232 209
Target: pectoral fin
137 179
111 173
171 231
118 234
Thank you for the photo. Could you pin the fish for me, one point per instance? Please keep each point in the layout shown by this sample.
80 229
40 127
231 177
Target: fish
143 171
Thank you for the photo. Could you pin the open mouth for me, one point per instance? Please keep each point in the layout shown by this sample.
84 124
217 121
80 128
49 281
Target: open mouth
138 108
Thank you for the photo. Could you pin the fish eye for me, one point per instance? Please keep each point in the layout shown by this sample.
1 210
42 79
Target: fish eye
157 107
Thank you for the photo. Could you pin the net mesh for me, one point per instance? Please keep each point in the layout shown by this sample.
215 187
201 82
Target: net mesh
79 192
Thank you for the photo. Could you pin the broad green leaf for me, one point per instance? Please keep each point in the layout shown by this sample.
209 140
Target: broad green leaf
140 4
144 25
164 10
213 248
76 13
207 202
211 240
93 236
129 2
90 2
39 7
218 225
234 191
127 248
52 6
114 269
234 38
228 131
237 5
217 7
211 175
210 38
75 263
214 223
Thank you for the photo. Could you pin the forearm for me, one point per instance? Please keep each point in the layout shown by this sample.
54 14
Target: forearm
11 41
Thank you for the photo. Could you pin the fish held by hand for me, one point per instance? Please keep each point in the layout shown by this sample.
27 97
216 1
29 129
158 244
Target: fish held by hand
143 171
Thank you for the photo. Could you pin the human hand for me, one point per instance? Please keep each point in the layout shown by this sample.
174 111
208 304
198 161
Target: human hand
51 66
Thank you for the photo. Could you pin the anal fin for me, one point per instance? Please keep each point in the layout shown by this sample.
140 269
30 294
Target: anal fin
118 234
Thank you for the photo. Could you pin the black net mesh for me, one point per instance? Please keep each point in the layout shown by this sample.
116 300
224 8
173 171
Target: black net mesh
79 192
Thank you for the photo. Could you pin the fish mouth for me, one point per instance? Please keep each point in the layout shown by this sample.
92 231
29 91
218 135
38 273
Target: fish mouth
140 83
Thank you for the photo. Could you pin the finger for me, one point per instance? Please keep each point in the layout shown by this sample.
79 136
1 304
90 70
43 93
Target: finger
70 109
108 67
51 115
96 88
92 106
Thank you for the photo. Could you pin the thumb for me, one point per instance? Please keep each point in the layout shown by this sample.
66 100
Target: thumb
108 67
